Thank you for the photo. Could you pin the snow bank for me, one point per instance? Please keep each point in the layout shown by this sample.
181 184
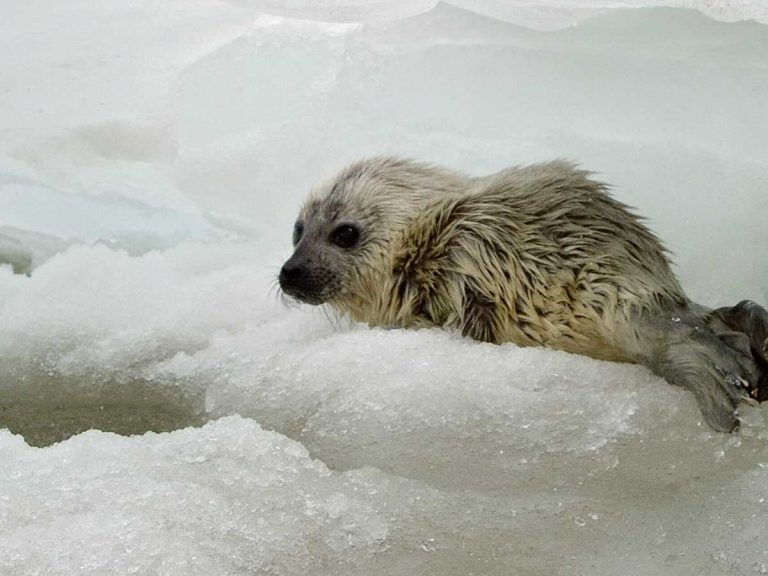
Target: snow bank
152 159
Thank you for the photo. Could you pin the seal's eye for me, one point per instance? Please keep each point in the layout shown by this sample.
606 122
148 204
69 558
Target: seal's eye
345 236
298 231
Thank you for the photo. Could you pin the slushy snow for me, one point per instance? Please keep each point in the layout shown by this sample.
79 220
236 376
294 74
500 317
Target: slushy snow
167 414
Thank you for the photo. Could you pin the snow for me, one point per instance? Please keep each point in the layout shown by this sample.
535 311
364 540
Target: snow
167 414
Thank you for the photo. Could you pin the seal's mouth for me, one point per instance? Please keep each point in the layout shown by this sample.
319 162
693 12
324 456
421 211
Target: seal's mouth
303 289
310 298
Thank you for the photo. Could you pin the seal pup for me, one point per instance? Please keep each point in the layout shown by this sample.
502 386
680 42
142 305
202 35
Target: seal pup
539 255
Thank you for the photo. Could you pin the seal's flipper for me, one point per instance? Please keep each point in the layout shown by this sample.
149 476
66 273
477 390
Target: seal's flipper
694 357
750 319
748 322
691 365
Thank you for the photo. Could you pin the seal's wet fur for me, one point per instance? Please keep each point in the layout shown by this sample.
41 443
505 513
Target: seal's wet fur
540 256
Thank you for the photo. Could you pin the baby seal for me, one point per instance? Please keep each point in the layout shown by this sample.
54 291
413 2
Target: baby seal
540 256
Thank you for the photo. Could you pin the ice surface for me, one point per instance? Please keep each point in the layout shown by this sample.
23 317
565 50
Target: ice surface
32 228
562 13
229 498
152 158
547 15
457 457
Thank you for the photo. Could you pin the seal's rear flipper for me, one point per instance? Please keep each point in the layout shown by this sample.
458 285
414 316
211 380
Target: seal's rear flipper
747 323
695 365
682 349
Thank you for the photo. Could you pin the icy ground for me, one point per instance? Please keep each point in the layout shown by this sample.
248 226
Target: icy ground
152 159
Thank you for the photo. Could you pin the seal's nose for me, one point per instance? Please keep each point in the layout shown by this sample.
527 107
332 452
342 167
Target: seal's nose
290 273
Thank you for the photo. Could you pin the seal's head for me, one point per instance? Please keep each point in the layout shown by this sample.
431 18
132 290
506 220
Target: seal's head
325 244
346 227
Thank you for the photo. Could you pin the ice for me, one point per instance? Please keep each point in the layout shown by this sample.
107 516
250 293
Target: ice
546 455
187 503
168 414
338 10
32 228
563 13
548 15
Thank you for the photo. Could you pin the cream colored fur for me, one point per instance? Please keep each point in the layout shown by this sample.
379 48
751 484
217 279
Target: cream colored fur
537 256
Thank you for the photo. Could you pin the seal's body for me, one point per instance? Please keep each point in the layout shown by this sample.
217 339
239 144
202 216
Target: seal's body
540 255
